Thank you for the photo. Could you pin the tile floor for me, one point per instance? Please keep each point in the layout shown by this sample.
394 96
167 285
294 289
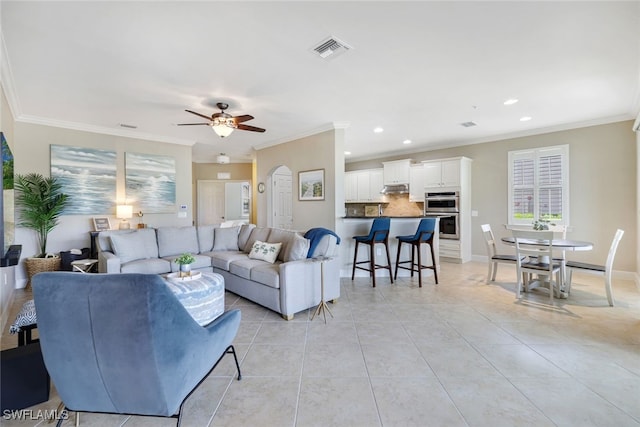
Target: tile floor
462 353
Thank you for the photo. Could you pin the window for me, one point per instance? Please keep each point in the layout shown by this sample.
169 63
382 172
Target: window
539 185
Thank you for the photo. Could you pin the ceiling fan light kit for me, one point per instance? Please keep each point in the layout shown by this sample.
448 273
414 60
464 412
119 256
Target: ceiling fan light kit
223 124
223 159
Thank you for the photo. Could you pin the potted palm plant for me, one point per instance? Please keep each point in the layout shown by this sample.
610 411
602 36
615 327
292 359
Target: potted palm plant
40 202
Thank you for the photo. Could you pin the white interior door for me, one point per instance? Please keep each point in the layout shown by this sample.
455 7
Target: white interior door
282 184
211 204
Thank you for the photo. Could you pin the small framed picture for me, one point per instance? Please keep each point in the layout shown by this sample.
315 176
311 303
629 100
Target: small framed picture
311 185
101 224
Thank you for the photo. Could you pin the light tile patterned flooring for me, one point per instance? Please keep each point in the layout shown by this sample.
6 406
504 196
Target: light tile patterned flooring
461 353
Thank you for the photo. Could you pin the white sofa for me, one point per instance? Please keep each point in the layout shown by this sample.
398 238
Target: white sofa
288 285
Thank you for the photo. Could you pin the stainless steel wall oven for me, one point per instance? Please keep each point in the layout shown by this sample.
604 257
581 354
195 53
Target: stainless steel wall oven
446 205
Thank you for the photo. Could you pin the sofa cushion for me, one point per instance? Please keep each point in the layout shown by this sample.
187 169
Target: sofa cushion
104 239
243 235
205 237
258 233
265 251
177 240
222 259
202 261
226 239
242 267
297 248
147 266
128 247
327 247
278 235
267 274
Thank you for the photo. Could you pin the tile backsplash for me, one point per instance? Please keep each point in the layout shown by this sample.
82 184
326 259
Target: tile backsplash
392 205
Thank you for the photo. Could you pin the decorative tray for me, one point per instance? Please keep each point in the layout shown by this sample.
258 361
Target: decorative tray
176 276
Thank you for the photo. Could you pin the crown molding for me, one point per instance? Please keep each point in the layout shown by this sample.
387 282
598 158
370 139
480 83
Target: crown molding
495 138
102 130
315 131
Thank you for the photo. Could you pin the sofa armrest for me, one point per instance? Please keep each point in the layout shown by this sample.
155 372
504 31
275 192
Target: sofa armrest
300 283
108 262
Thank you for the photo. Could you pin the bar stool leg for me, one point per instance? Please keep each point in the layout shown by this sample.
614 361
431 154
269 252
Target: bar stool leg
355 258
372 262
417 247
386 245
433 261
395 276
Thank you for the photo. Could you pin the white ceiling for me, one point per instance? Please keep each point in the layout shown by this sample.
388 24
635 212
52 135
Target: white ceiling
417 69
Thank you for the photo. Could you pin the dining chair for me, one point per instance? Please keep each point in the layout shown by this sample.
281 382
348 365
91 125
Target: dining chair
605 269
424 234
541 260
378 234
493 256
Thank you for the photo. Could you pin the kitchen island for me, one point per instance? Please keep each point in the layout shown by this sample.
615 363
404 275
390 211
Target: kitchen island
400 226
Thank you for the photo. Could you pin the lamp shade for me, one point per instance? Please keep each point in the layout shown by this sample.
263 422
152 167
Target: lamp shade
124 211
222 130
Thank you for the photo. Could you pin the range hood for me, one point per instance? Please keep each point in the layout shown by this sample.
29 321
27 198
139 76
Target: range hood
395 189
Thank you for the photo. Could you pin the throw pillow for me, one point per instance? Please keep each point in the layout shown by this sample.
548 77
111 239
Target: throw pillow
297 248
226 239
128 247
244 234
265 251
258 233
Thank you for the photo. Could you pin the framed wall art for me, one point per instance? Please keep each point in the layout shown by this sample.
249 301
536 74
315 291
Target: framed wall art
311 185
101 224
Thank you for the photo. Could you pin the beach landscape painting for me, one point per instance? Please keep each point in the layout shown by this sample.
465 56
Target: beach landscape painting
88 176
151 182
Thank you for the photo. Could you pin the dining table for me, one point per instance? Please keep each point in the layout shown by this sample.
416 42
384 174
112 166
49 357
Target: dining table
561 245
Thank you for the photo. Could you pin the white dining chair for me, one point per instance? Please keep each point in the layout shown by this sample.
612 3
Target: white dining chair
492 252
541 260
605 269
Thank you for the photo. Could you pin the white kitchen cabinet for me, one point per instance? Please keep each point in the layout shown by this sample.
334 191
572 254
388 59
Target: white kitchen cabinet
442 173
396 172
363 186
416 183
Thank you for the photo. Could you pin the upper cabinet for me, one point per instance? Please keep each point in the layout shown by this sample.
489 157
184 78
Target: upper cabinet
416 183
363 185
396 172
442 173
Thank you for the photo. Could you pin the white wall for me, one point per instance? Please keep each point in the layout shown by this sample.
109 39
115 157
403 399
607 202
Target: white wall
32 144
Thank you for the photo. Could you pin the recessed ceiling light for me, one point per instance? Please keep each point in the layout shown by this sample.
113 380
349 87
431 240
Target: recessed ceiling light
378 130
346 153
406 141
510 101
525 119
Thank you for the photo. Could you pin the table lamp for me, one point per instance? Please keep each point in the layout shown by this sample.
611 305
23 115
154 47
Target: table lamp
124 212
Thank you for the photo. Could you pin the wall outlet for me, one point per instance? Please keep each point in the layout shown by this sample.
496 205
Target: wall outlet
474 213
182 214
378 251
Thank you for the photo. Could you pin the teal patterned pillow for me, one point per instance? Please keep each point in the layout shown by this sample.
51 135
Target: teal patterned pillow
265 251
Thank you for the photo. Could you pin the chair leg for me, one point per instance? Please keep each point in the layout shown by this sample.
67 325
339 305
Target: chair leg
569 278
607 287
386 246
395 275
417 246
495 271
355 258
433 262
372 262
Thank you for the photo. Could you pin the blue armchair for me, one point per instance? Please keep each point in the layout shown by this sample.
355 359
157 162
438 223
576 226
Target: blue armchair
123 343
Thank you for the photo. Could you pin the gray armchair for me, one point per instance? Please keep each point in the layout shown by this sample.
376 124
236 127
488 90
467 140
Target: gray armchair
123 343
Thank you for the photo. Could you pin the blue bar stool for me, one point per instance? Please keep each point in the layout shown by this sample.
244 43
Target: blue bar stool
379 233
424 234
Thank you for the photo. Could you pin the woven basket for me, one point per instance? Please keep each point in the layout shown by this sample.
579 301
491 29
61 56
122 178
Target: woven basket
38 265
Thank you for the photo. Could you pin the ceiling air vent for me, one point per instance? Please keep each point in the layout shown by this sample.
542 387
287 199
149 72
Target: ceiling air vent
331 48
468 124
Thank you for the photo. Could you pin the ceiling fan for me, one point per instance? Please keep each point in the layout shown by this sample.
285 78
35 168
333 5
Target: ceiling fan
224 123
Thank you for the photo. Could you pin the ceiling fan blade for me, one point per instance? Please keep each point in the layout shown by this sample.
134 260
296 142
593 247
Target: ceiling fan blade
192 124
241 119
251 128
198 114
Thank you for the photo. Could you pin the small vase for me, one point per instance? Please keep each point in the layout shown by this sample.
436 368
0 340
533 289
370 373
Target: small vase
185 270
